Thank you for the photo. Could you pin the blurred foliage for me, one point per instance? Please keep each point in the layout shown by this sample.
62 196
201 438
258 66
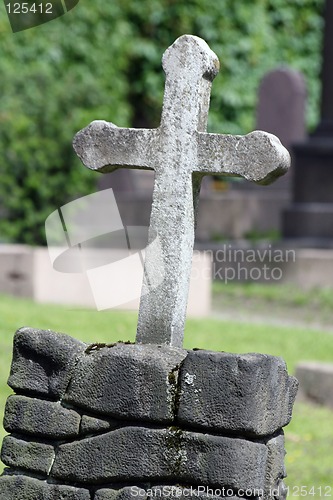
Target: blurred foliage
102 60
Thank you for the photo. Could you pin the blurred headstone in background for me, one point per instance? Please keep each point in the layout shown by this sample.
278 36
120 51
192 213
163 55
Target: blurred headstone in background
281 105
253 208
281 111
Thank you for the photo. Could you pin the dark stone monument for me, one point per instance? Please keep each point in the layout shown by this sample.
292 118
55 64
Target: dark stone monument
309 219
117 421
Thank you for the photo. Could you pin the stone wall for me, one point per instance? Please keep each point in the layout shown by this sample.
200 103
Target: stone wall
125 420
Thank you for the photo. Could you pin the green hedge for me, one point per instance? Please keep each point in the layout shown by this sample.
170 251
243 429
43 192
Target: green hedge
103 60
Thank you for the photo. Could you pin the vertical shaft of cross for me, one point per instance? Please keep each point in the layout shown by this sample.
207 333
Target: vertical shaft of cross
185 111
167 303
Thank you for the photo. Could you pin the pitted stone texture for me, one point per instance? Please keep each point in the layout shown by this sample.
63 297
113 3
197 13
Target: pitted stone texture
37 417
26 488
134 382
138 454
93 425
276 470
127 493
181 153
27 455
165 491
43 362
183 493
107 494
248 394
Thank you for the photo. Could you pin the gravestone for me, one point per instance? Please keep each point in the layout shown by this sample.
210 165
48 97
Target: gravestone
309 218
122 420
281 106
281 111
316 382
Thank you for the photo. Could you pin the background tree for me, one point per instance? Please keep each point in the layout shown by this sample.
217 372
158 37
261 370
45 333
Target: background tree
103 60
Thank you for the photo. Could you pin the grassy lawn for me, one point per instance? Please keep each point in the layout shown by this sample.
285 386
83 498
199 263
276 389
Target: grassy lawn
309 438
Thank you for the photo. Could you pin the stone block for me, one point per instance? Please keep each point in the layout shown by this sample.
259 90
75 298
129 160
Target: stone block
248 394
166 491
37 417
134 382
183 493
139 454
276 470
27 488
92 425
106 494
43 362
316 382
127 493
217 460
27 455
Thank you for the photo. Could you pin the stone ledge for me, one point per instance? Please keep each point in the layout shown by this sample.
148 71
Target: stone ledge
43 362
46 419
93 425
163 491
249 394
27 488
276 471
27 455
133 382
139 454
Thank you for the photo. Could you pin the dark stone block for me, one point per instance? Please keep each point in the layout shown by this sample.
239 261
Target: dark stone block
216 460
248 394
40 418
92 425
165 491
26 488
204 492
137 454
43 361
276 470
27 455
127 493
134 382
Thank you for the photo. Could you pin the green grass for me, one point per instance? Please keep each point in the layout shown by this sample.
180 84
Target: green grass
290 295
309 438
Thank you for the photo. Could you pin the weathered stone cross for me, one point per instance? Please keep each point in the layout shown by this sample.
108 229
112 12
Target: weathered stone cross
181 153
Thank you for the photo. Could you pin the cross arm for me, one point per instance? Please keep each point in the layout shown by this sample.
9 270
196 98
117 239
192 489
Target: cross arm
104 147
258 156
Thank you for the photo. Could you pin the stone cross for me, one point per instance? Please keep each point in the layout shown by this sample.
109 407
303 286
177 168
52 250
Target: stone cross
180 152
